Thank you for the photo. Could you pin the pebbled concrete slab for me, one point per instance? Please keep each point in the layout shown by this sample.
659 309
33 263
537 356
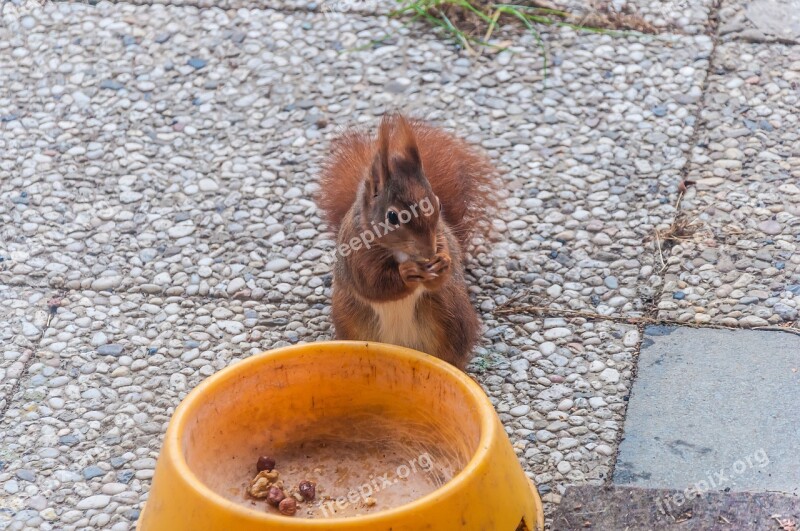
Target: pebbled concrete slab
23 317
635 509
194 176
367 7
713 410
665 16
743 267
80 438
87 418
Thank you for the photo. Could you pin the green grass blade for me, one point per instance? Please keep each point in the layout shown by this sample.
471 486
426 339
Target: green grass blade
524 19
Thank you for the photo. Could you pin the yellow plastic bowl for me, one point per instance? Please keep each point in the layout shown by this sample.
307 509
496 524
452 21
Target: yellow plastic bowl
271 400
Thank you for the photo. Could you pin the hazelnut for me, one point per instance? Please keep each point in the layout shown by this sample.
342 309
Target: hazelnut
265 463
275 496
288 506
307 490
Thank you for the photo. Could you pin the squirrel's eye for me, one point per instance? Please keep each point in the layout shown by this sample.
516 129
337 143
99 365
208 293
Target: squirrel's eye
392 217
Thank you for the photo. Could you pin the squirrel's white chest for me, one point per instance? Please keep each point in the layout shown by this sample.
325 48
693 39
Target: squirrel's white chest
397 322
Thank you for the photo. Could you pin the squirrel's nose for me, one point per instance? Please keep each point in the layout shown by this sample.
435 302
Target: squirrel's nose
426 247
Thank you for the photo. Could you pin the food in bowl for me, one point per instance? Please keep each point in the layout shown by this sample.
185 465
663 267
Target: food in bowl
331 478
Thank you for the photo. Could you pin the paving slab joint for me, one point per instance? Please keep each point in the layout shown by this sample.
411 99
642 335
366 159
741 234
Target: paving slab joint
15 387
609 480
700 123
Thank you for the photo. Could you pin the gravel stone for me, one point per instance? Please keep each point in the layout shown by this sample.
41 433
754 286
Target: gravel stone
197 63
98 501
93 472
26 475
610 376
520 410
110 350
277 264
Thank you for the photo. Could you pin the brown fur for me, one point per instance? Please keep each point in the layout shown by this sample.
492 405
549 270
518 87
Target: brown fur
408 287
461 176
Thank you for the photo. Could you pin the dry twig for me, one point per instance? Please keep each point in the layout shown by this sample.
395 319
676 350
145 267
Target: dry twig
787 524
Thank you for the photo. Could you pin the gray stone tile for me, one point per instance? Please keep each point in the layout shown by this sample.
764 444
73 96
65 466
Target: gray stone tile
743 268
713 410
760 20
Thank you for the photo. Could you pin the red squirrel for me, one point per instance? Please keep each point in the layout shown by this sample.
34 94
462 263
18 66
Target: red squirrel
405 205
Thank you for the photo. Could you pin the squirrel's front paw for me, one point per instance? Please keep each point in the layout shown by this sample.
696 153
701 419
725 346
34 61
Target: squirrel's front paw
439 269
412 272
439 265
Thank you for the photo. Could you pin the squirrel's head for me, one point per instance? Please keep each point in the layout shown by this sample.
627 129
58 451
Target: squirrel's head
398 202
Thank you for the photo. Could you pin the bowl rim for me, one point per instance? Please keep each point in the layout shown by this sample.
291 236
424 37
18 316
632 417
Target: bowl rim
177 426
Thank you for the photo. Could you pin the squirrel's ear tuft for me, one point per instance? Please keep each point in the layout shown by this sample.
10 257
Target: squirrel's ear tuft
379 172
406 160
397 153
